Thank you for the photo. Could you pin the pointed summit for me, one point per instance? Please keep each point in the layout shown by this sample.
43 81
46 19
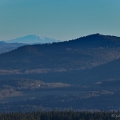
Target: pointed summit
32 39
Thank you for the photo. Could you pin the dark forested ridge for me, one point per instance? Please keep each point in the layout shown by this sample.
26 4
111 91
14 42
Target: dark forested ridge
58 115
81 53
81 74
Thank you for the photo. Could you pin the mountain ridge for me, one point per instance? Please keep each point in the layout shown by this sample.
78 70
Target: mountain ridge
81 53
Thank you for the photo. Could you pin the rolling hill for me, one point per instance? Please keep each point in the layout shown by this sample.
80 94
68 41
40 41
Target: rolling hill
82 53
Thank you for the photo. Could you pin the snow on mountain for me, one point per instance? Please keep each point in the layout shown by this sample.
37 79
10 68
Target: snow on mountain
32 39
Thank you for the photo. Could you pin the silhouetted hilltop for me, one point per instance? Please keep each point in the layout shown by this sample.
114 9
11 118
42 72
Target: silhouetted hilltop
81 53
97 40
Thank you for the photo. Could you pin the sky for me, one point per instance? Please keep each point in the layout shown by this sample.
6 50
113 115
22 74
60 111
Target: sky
58 19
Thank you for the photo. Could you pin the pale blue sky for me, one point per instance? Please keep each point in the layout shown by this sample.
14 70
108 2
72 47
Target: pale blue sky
59 19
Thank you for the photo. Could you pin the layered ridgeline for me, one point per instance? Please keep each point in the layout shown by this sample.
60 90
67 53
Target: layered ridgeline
91 58
8 45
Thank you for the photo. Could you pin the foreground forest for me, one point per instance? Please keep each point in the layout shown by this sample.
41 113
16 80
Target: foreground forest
61 115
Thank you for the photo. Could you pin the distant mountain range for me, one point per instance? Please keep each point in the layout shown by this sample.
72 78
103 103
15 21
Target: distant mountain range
32 39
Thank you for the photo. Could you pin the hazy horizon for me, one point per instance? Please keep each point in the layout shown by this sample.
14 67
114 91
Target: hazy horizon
61 20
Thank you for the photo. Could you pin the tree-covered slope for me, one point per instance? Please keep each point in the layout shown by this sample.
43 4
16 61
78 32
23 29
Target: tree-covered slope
81 53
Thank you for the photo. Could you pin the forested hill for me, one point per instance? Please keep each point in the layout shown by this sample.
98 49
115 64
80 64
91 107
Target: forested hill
6 47
81 53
